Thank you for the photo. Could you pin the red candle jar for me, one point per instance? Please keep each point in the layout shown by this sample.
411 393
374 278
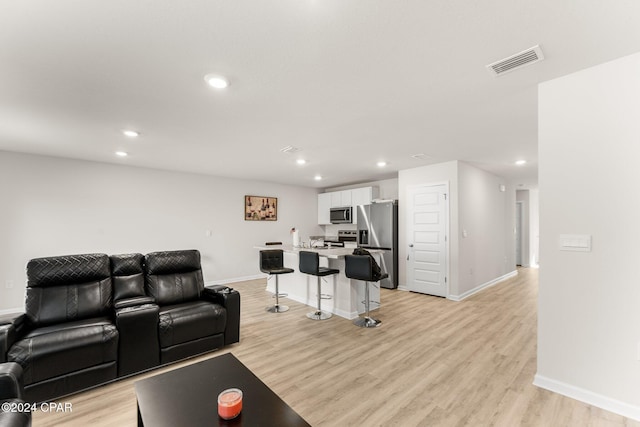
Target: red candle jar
230 403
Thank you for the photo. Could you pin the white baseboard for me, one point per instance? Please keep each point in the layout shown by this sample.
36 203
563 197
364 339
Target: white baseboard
589 397
482 286
235 279
18 310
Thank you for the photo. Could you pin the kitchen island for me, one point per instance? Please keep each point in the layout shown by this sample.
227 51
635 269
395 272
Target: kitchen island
347 296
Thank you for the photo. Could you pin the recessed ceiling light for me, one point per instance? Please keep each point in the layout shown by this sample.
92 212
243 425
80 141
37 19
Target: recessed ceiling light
382 164
216 81
521 162
122 153
317 177
301 161
130 133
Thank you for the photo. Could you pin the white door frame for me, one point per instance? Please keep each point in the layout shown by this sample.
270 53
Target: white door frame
447 229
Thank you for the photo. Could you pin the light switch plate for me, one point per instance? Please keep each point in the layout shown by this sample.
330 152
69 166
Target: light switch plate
575 242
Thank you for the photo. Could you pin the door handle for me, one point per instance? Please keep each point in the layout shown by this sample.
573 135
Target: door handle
410 245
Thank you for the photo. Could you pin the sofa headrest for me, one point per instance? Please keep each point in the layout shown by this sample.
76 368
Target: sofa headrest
67 270
126 264
172 262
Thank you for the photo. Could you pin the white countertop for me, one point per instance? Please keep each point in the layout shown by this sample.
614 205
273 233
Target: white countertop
333 253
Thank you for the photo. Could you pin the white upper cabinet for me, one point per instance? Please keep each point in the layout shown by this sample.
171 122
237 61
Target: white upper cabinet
338 199
362 196
345 198
324 204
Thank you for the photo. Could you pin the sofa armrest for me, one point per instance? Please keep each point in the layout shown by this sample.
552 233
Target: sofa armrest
6 319
132 302
138 347
11 331
11 386
216 293
230 300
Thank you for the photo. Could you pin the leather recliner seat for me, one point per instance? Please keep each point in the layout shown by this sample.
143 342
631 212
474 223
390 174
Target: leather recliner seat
67 340
190 319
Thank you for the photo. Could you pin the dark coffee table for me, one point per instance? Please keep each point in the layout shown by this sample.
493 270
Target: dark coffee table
188 397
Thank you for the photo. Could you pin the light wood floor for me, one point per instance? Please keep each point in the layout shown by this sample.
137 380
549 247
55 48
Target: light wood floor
433 362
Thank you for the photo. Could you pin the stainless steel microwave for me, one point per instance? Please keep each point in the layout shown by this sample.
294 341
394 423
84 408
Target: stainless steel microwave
340 215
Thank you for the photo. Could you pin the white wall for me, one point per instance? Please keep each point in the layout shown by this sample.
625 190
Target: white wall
53 206
530 226
534 227
488 216
589 302
522 196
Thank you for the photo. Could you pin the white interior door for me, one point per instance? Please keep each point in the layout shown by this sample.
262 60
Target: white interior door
427 221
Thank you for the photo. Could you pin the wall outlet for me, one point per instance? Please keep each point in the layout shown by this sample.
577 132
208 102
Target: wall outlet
8 284
208 233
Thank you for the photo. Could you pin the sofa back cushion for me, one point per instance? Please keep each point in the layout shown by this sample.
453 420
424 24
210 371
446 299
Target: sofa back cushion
173 277
128 276
68 288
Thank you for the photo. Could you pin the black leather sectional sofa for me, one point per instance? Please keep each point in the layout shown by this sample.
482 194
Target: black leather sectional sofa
93 318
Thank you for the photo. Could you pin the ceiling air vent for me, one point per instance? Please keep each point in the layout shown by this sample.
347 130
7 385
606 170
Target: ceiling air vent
289 149
526 57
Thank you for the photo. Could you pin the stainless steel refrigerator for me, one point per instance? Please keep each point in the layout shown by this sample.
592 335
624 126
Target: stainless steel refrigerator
378 229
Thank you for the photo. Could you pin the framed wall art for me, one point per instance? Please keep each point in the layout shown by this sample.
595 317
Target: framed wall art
260 208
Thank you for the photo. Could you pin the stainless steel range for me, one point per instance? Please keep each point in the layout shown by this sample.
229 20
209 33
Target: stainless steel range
344 236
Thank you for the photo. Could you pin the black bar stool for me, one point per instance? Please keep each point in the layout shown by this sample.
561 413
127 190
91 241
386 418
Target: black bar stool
310 264
272 263
360 267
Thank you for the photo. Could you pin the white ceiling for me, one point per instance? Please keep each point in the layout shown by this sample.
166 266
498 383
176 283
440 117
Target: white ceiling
347 82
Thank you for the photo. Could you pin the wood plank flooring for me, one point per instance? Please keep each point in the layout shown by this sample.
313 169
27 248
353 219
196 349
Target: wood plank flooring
432 362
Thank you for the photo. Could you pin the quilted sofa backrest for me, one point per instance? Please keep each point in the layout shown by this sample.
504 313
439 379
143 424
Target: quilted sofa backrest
173 277
127 274
67 288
